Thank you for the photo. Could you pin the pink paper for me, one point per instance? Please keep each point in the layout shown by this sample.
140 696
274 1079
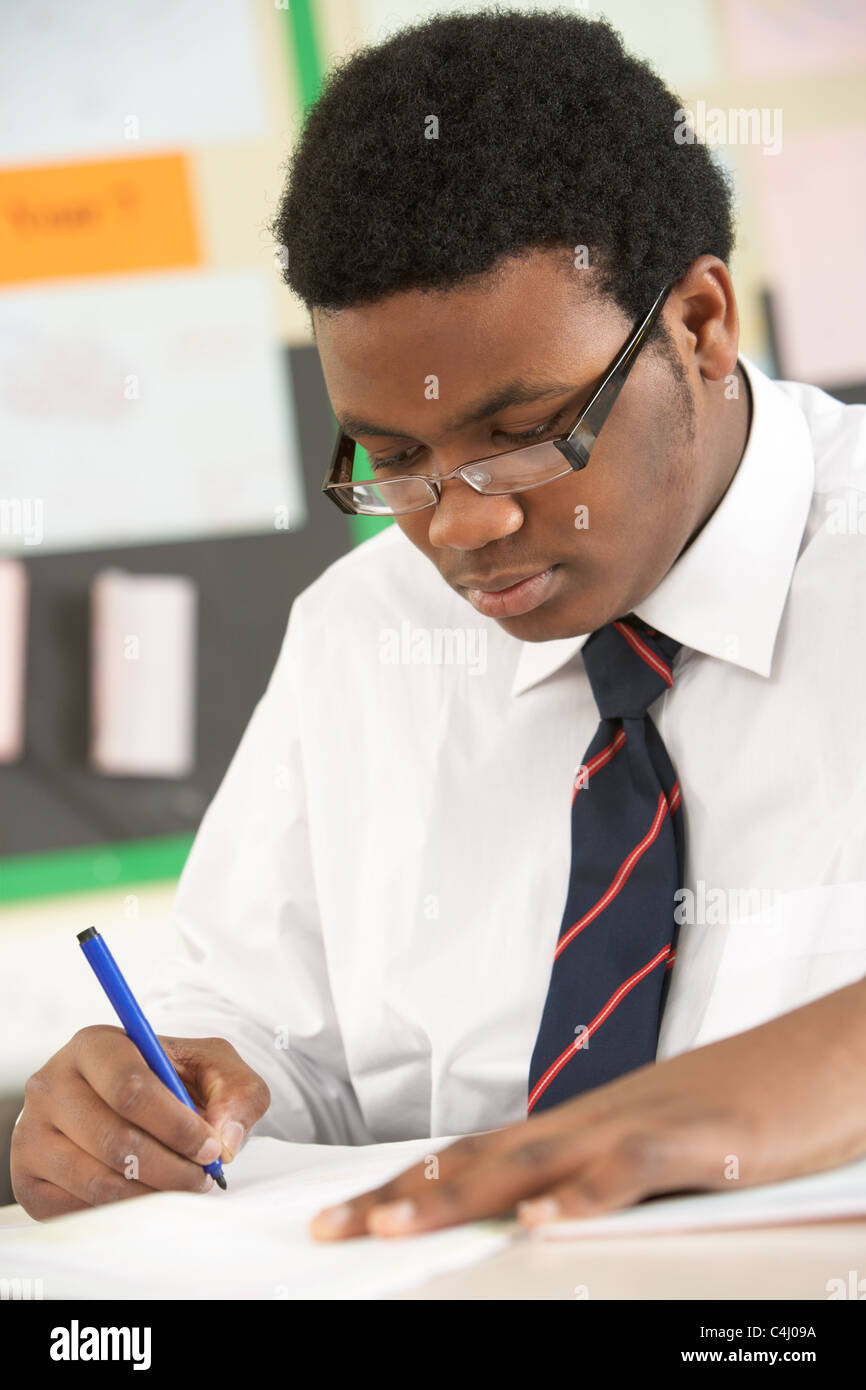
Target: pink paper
793 36
143 655
812 203
13 656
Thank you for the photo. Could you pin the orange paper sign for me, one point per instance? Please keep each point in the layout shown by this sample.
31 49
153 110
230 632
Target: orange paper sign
95 218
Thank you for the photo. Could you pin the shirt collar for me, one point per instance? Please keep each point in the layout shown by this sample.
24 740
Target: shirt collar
725 596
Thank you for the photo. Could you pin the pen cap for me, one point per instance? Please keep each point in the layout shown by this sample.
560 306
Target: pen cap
129 1012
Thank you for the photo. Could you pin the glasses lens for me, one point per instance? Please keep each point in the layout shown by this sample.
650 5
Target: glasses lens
387 498
510 472
519 468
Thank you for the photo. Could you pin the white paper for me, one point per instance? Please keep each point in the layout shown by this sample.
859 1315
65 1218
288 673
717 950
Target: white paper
839 1193
250 1242
118 77
146 408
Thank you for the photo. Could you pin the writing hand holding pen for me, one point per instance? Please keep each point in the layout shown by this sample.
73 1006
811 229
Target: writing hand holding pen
99 1126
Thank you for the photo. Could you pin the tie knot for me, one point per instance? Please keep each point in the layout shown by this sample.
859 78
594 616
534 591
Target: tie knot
629 665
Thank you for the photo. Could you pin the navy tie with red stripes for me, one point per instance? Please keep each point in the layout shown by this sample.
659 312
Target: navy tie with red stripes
617 941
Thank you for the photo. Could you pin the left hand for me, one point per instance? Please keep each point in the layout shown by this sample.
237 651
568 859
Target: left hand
779 1101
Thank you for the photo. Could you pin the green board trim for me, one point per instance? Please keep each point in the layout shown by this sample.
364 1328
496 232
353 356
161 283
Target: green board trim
92 866
300 33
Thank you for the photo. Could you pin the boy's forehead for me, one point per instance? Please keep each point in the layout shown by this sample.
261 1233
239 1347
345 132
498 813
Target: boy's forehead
530 317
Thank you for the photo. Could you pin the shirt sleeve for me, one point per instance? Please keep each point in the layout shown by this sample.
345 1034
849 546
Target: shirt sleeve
253 968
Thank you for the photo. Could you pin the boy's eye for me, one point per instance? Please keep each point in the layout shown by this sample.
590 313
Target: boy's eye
528 437
389 462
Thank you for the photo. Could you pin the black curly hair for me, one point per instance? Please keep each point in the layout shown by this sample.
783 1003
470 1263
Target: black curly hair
550 135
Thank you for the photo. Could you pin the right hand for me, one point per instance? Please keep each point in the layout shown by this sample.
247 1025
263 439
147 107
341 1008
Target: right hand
95 1112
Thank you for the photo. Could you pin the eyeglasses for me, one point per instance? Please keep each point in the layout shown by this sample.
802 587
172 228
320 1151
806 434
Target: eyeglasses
513 470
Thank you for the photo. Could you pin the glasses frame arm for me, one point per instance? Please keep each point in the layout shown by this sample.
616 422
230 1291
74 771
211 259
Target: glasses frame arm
577 446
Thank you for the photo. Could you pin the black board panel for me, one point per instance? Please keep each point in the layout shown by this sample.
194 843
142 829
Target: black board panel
51 799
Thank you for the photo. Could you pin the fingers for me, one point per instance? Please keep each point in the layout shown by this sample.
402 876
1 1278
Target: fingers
549 1168
480 1176
232 1095
638 1164
350 1218
685 1154
489 1186
71 1180
99 1125
85 1178
113 1067
124 1148
48 1201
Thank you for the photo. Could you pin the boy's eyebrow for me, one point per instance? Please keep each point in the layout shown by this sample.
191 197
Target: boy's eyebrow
519 392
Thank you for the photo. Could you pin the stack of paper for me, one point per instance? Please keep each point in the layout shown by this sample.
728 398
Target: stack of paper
836 1195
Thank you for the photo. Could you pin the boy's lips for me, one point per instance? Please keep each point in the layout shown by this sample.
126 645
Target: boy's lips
505 598
497 583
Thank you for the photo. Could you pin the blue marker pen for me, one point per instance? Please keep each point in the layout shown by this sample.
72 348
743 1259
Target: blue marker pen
107 972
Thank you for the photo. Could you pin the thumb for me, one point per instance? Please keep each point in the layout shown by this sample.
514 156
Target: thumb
232 1096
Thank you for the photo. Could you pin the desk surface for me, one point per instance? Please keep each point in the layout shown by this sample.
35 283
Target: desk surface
786 1262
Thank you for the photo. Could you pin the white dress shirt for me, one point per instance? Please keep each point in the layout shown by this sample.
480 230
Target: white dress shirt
373 898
